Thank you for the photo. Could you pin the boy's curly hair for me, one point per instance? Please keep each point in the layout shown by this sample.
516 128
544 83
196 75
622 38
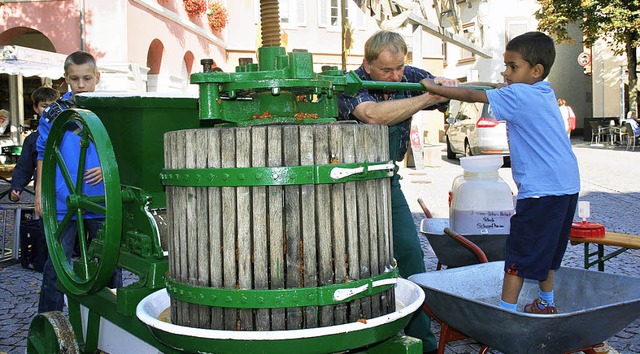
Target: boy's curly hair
535 48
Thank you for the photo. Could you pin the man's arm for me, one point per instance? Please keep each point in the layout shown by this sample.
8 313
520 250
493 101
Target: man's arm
395 111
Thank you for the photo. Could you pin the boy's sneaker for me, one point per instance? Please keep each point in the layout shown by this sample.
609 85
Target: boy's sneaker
540 307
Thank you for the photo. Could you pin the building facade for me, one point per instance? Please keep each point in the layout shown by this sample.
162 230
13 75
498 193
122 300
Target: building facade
154 45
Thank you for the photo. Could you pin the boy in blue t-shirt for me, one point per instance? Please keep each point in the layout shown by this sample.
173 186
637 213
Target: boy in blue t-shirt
543 165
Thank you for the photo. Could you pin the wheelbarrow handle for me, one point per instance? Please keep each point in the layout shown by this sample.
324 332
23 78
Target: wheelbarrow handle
425 210
477 251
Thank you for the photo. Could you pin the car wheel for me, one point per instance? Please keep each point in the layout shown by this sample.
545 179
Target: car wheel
467 149
450 154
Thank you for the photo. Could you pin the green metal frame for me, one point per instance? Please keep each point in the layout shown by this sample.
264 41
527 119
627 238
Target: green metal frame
276 176
600 256
282 298
282 88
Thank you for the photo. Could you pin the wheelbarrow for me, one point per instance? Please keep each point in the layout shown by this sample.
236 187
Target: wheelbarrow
593 306
448 249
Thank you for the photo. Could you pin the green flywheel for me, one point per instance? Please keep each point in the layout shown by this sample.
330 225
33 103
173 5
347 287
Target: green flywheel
62 174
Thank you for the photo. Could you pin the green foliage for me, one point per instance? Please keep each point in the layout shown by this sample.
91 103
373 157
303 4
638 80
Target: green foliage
615 21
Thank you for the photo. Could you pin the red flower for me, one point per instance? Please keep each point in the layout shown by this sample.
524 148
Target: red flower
195 7
218 16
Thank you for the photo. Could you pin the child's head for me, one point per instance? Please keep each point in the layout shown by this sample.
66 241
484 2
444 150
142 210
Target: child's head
42 97
81 72
529 58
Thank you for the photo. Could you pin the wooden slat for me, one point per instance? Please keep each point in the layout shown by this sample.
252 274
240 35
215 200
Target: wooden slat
181 229
276 222
259 211
169 144
337 218
351 218
308 213
363 203
201 221
323 213
244 238
191 222
292 223
384 213
216 252
373 205
228 141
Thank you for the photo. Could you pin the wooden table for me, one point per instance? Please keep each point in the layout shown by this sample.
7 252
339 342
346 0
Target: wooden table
624 241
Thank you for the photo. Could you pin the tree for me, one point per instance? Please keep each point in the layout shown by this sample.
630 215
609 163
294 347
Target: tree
617 22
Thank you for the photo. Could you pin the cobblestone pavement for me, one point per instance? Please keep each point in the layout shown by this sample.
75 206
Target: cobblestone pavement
609 182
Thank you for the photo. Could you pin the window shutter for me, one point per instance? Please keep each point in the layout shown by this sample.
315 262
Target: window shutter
356 17
323 13
301 13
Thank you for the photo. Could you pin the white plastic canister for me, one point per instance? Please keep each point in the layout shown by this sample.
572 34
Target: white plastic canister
481 201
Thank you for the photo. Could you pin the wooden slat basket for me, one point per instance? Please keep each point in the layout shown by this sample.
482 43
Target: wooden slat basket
277 236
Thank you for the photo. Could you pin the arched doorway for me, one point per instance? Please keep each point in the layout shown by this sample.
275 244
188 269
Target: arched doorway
154 63
28 60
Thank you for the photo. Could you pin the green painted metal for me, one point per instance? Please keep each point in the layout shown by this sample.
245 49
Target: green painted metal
92 270
276 176
362 341
353 83
101 304
51 333
139 232
282 298
281 88
136 125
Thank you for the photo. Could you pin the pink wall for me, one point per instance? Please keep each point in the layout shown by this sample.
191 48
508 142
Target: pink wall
57 20
116 31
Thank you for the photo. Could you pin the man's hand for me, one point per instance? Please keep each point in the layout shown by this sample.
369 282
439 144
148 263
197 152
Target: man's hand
93 176
14 196
437 81
443 81
428 84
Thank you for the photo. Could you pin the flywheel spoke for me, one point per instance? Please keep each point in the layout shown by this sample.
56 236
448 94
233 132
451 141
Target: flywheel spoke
64 170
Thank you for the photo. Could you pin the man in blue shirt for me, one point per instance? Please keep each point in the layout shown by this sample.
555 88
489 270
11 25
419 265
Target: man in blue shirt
384 58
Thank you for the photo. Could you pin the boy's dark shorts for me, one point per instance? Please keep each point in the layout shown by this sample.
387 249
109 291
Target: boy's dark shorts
539 235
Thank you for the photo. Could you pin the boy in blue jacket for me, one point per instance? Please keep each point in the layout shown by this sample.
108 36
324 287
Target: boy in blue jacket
82 75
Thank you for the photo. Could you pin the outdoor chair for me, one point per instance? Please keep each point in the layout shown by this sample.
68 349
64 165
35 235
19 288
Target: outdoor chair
629 135
597 132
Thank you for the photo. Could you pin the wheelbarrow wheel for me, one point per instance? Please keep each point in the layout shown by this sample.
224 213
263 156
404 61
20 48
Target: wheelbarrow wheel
51 332
97 259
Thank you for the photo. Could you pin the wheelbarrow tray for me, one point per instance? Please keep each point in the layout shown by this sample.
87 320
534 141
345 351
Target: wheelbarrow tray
451 253
593 307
